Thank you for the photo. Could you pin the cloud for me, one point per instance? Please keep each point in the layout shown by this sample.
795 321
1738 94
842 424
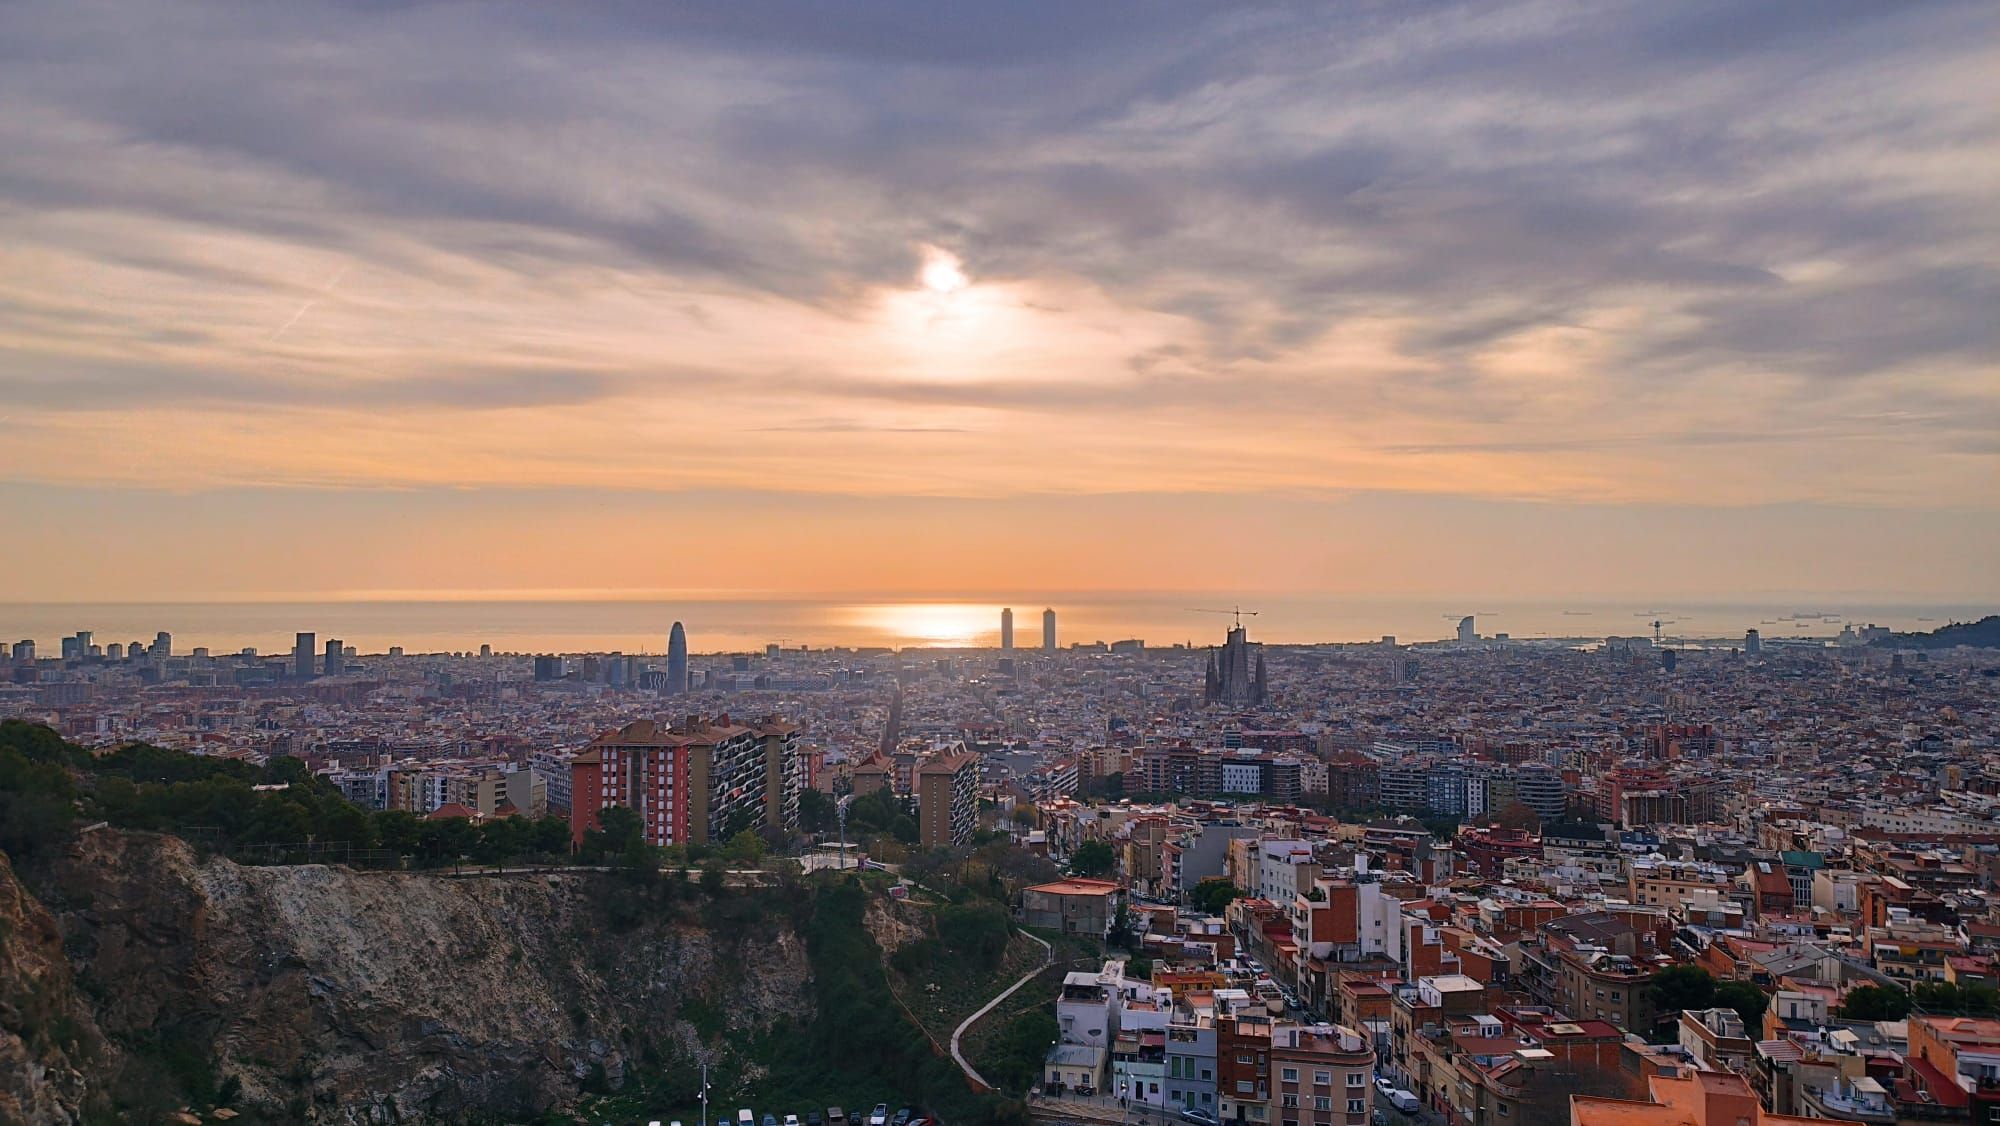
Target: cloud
1358 233
55 385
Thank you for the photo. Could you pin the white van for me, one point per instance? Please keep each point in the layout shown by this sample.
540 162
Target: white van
1404 1101
745 1118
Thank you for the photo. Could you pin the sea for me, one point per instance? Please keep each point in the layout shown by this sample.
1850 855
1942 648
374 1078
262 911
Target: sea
717 624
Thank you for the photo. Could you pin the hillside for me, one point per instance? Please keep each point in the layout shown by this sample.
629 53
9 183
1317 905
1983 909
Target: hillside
1982 634
316 992
141 974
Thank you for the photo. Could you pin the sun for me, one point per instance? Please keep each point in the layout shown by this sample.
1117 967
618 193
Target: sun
942 272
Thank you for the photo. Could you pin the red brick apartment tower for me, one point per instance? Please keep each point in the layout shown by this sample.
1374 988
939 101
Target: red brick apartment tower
642 766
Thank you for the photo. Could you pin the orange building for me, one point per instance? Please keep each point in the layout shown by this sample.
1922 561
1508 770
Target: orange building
1944 1049
1703 1098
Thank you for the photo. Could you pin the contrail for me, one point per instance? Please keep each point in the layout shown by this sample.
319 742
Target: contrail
310 302
293 321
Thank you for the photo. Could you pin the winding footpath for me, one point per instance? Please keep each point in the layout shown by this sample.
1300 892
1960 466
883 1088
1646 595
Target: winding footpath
957 1056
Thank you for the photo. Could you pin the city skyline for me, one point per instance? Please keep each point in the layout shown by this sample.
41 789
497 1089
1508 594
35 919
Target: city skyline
1038 562
1663 301
1161 624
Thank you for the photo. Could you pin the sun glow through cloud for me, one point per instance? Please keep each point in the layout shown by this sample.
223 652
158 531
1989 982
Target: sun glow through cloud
943 273
1213 256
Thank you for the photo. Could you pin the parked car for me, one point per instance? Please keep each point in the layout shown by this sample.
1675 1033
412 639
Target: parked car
770 1119
1404 1101
1383 1085
813 1118
791 1120
902 1118
879 1116
1198 1117
746 1116
836 1116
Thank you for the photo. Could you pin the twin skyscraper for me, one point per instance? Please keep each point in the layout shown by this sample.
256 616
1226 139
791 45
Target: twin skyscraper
1007 629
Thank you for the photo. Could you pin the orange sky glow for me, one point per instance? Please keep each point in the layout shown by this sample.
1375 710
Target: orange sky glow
1342 302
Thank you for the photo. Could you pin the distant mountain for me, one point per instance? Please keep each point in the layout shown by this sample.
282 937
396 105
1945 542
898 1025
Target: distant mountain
1982 634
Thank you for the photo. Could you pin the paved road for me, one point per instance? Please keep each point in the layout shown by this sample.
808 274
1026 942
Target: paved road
1048 957
1421 1117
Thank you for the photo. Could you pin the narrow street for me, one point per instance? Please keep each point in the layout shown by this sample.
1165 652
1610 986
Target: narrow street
1424 1116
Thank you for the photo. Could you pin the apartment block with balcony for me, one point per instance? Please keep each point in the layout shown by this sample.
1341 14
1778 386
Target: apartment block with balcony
1320 1075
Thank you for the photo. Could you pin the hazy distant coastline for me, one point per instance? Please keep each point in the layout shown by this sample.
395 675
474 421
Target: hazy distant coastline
722 625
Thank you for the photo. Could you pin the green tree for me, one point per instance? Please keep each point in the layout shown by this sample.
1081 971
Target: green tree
399 831
744 849
37 793
977 930
880 812
343 822
1875 1002
445 841
640 858
280 821
1945 998
1014 1061
1121 927
816 811
1212 895
1748 1001
549 837
1093 858
286 770
617 827
500 840
1685 986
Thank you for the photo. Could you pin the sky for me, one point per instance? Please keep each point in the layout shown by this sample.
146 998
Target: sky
1508 299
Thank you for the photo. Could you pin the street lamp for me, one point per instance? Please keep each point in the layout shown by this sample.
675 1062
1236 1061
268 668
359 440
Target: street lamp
704 1095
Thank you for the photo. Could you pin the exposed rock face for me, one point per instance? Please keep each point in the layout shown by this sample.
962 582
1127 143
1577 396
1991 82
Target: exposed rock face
43 1046
347 996
894 923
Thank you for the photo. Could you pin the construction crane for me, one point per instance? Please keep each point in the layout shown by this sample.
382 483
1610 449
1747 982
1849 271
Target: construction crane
1235 611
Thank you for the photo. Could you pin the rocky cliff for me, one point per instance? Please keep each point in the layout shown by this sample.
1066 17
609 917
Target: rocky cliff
140 974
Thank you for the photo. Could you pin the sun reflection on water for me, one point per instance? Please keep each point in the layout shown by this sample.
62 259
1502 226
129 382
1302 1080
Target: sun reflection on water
929 623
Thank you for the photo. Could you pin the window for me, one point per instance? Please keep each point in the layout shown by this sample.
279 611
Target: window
1356 1106
1502 1108
1356 1079
1242 1086
1291 1075
1616 996
1322 1102
1323 1078
1244 1057
1290 1102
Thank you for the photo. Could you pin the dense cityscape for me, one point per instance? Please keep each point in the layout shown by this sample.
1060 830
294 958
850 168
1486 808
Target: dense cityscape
1438 880
1047 563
